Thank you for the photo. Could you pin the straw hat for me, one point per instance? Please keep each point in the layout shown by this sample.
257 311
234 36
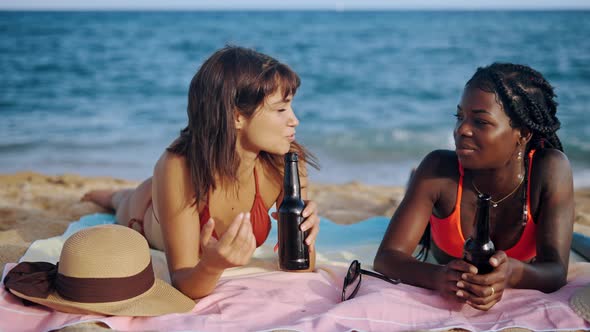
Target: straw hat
580 302
103 270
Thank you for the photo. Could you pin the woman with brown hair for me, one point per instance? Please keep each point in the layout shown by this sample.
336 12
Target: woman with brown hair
207 203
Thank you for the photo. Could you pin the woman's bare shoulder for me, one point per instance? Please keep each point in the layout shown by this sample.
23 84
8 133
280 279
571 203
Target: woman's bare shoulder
440 164
435 176
170 164
552 167
171 174
551 158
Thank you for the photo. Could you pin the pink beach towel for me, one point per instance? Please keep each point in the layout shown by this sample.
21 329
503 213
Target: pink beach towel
311 302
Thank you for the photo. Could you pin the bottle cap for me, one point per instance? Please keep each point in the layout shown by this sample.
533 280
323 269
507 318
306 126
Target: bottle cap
484 197
291 156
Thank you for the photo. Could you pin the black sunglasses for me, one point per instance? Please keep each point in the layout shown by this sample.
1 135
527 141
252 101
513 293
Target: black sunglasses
352 280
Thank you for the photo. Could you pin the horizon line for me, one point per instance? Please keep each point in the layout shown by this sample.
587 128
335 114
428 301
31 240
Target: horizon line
548 9
344 9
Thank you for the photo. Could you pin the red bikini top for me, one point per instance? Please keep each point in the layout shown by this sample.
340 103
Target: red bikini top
258 216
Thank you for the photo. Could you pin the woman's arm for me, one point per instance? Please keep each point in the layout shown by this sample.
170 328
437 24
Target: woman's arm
172 197
555 222
394 256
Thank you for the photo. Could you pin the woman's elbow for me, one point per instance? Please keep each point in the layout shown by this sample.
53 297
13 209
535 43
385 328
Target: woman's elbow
194 294
380 262
188 289
555 286
557 282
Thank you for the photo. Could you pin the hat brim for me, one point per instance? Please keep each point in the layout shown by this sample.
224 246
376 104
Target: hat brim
580 303
160 299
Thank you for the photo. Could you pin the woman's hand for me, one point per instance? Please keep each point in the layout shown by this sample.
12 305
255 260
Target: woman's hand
483 291
311 222
234 248
448 277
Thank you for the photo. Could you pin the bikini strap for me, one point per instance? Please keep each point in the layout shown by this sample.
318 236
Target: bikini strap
139 222
459 186
256 181
204 214
528 186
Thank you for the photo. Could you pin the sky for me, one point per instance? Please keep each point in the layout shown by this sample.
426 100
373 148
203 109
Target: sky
293 4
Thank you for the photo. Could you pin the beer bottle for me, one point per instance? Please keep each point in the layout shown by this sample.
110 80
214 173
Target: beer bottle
293 252
478 249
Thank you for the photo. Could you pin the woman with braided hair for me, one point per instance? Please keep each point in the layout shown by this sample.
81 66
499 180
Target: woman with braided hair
506 146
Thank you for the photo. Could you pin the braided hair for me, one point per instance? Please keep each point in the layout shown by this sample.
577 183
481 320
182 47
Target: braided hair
529 101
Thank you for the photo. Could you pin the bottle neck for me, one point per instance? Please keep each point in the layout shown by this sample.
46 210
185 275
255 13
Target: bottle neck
482 222
291 186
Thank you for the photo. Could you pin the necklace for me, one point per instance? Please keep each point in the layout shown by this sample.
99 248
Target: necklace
495 203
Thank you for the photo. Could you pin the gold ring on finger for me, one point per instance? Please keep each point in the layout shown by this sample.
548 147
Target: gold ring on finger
493 291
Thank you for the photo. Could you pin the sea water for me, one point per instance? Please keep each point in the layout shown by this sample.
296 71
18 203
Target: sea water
104 93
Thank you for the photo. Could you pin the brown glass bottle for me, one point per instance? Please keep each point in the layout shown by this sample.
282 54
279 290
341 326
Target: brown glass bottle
293 252
478 249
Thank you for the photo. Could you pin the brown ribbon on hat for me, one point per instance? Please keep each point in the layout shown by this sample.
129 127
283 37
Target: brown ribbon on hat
39 279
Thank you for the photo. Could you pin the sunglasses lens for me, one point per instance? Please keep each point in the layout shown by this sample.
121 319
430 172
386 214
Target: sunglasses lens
351 281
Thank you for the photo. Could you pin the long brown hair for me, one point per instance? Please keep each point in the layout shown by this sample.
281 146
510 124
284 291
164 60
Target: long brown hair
233 78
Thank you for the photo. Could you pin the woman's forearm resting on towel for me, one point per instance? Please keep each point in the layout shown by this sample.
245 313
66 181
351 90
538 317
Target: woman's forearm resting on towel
544 276
399 265
196 282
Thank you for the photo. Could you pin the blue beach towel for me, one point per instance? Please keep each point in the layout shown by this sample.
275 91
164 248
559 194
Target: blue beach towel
581 245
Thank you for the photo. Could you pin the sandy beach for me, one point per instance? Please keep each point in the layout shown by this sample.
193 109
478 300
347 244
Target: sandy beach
35 206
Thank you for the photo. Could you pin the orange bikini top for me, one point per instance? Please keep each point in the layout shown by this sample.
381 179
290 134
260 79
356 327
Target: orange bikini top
258 216
448 236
